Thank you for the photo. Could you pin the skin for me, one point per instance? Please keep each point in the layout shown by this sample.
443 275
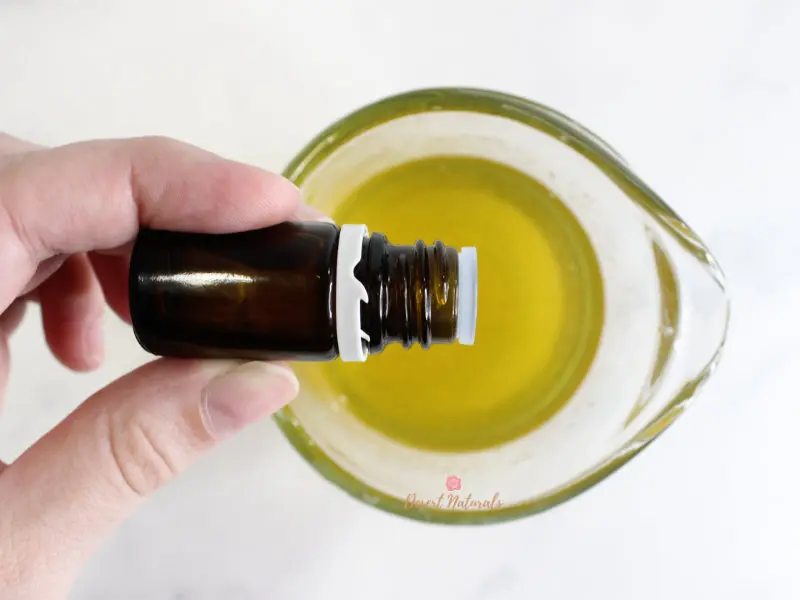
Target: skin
68 216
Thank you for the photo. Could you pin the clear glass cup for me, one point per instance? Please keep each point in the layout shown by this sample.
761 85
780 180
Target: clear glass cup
666 311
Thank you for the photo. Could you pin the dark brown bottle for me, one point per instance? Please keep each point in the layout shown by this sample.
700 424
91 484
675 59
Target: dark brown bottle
297 291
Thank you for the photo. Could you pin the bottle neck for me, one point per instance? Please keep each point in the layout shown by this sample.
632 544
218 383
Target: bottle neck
412 291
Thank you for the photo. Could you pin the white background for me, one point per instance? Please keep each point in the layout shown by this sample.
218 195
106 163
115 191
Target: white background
702 97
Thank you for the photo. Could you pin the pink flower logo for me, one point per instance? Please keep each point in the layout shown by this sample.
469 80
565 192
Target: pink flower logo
453 483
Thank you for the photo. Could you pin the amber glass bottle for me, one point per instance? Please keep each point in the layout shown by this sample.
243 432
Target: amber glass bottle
297 291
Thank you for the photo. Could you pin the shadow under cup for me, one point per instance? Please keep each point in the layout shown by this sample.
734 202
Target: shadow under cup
665 312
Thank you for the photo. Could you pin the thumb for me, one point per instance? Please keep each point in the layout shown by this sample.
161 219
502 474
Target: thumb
67 492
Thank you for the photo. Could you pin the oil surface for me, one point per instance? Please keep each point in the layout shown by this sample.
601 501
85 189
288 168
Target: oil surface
540 307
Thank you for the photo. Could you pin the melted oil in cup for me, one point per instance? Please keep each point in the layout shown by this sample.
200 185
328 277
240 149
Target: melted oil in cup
541 307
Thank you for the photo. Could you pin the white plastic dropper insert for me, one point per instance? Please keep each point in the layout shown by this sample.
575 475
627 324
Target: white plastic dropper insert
467 321
350 293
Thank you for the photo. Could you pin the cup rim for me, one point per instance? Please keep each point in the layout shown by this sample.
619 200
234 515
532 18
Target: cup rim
592 147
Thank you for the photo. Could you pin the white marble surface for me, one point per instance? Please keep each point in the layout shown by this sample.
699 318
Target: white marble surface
703 98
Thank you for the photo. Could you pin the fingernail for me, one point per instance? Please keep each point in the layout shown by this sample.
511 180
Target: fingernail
93 341
246 394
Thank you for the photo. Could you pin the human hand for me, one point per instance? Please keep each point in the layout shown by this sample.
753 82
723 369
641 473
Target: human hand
67 219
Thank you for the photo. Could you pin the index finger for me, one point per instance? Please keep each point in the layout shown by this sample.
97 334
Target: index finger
96 195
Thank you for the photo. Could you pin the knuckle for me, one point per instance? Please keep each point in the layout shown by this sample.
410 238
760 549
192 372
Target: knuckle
144 460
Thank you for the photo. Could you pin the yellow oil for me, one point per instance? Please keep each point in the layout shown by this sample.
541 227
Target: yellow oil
540 307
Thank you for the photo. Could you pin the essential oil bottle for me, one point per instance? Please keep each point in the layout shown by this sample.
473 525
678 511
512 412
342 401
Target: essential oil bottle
297 291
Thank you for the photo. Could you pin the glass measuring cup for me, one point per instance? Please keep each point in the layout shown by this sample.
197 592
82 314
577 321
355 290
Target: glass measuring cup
665 321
